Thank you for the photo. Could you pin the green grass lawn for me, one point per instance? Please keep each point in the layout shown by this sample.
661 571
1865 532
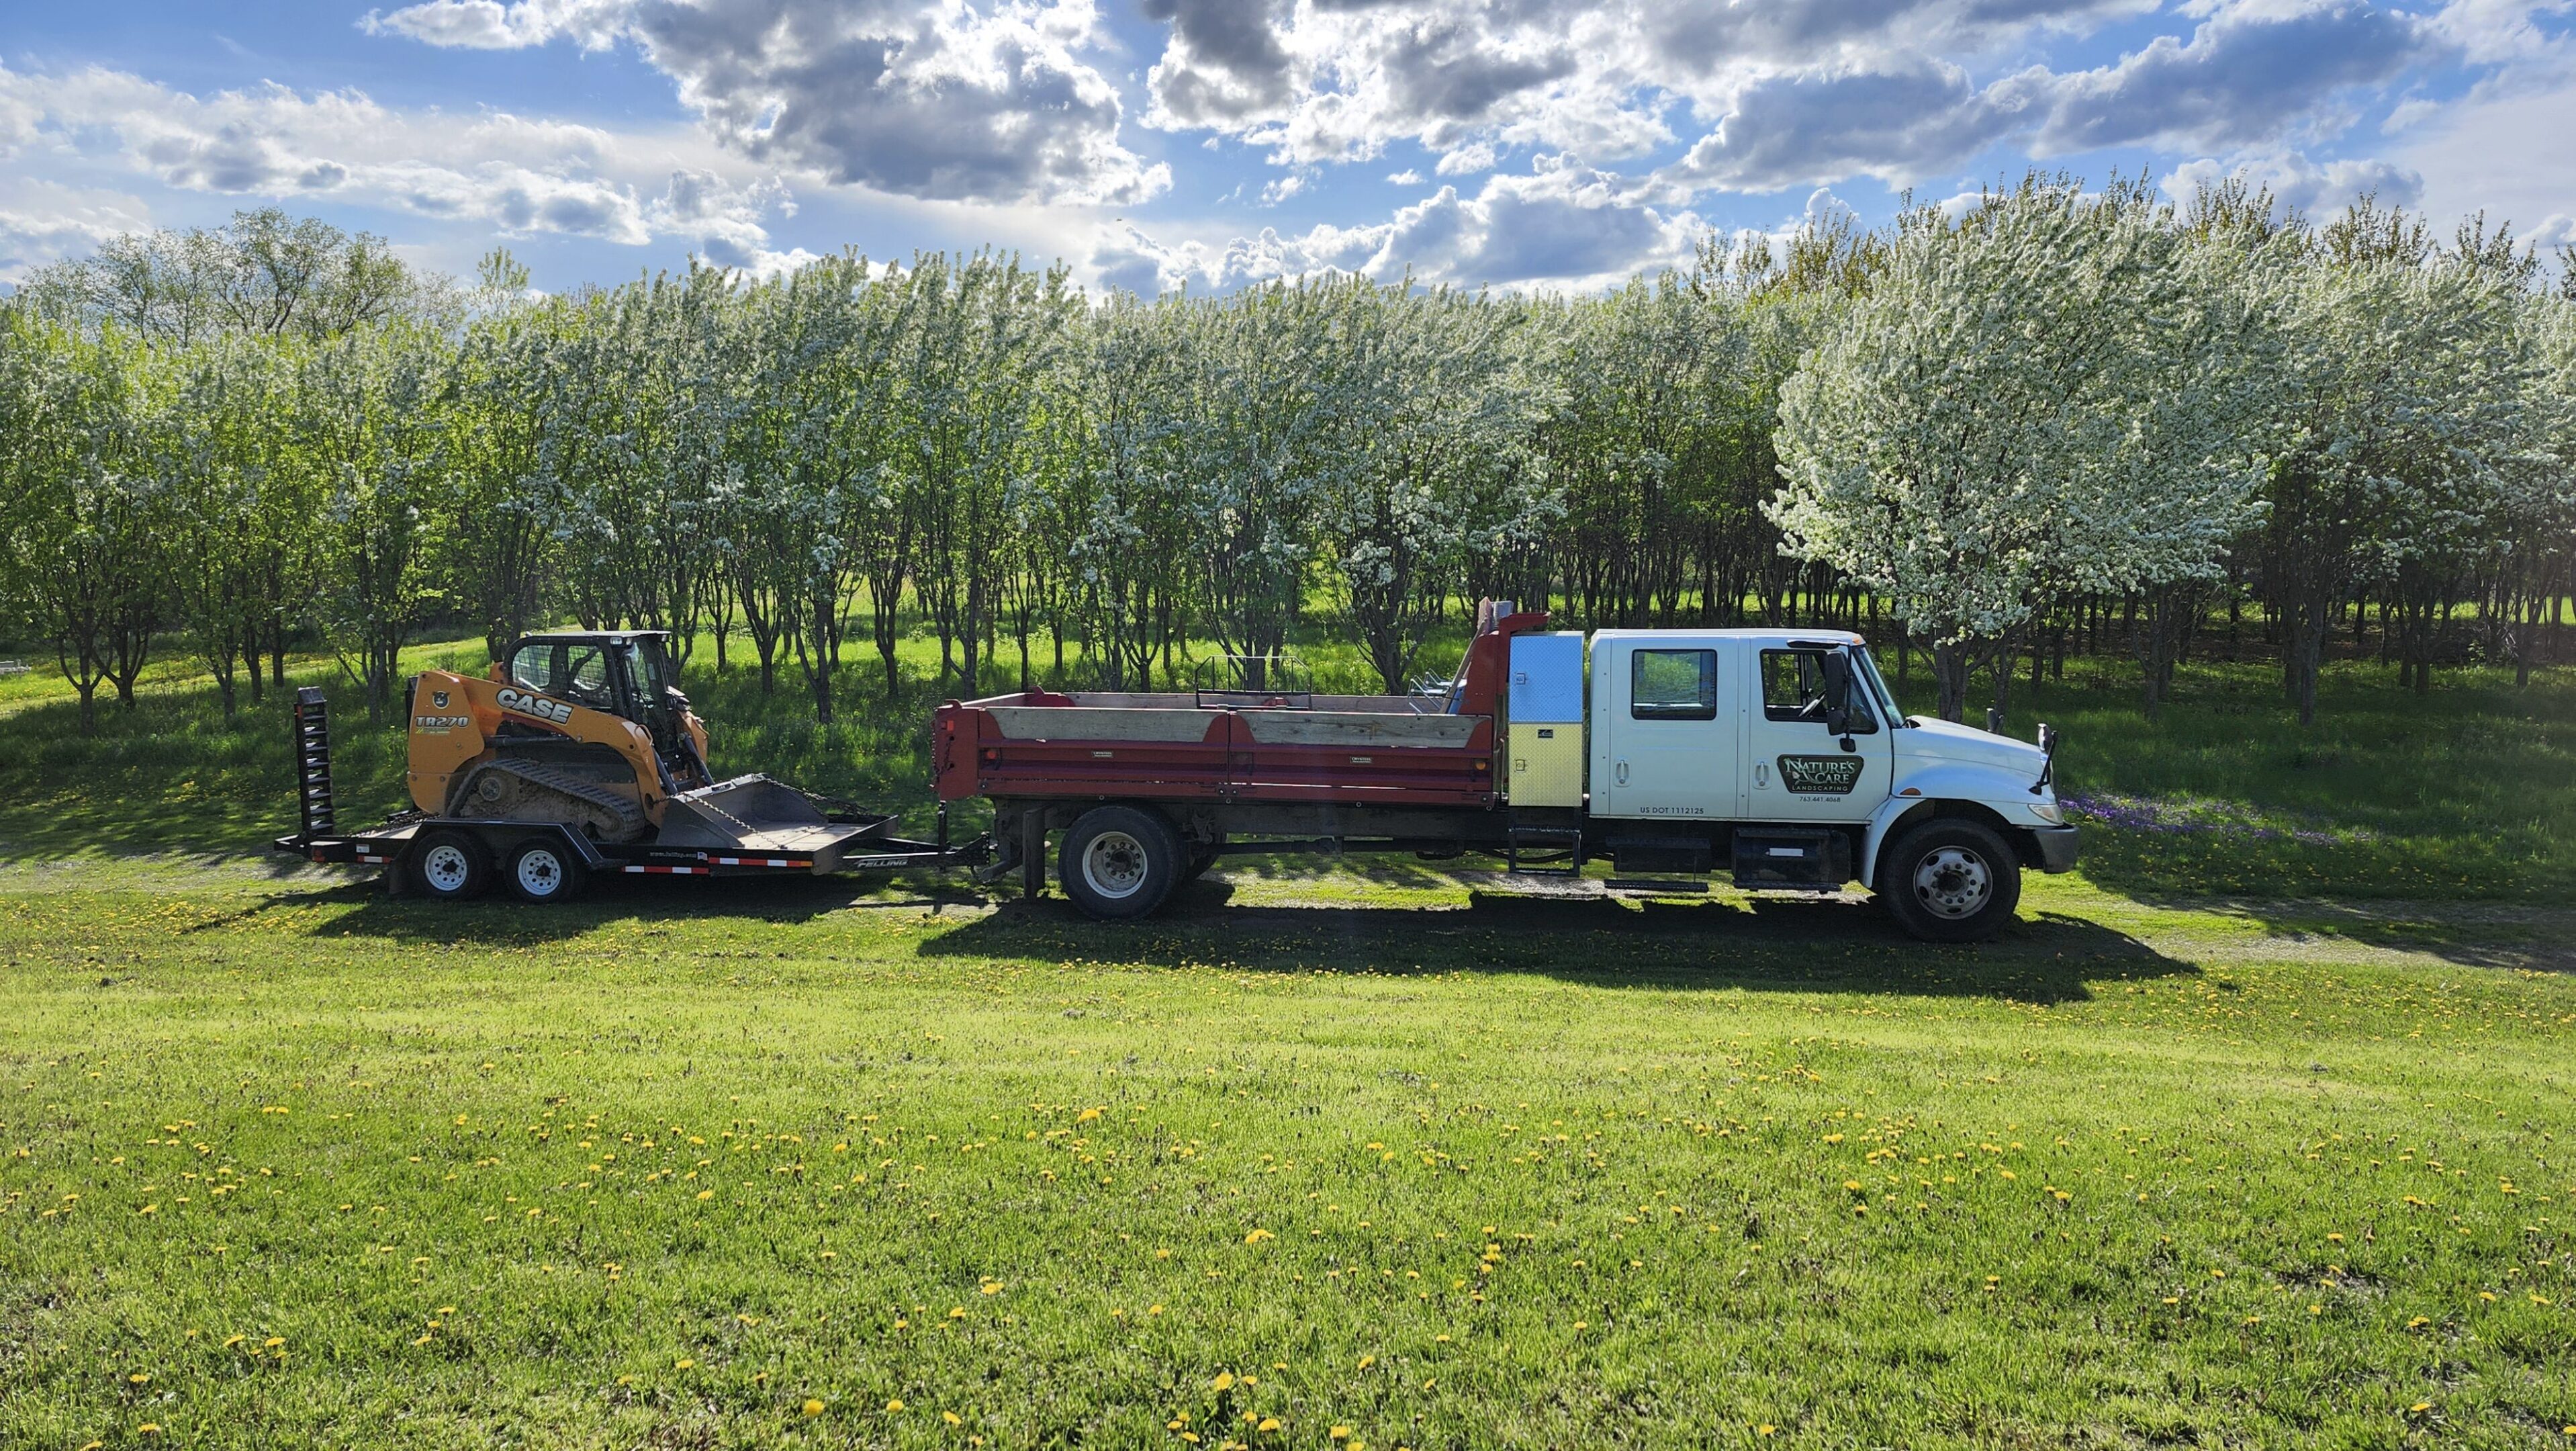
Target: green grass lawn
2252 1133
1392 1160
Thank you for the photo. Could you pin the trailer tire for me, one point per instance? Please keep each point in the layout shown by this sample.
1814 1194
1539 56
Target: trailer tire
1119 862
449 866
1950 880
541 871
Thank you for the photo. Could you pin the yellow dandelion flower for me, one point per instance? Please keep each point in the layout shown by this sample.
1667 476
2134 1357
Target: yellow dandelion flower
683 1363
1268 1423
895 1404
952 1418
1225 1379
812 1407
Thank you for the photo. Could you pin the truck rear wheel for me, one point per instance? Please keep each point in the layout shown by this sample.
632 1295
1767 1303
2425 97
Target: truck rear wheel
542 871
1950 880
449 866
1119 862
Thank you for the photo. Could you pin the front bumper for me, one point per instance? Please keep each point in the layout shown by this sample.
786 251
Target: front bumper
2056 847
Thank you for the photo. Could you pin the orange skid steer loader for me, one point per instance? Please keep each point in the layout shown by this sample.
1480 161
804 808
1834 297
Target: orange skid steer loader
578 754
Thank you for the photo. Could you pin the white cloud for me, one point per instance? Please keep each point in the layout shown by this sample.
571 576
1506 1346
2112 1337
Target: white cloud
1467 160
2320 189
2502 150
1564 225
943 100
517 175
45 221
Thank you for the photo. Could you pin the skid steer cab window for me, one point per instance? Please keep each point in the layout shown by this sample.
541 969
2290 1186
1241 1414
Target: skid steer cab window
586 678
1793 689
533 668
1672 685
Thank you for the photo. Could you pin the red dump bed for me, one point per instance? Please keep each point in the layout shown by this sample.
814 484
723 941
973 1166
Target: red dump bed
1232 745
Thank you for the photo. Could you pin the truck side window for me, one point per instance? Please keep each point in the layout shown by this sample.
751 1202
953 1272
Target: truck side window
532 668
1672 685
1793 689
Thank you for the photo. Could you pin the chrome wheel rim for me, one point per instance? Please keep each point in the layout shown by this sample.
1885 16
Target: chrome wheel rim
1114 865
446 868
1953 882
540 873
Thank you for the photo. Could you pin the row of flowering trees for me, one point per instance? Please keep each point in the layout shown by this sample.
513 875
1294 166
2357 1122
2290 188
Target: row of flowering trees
1981 427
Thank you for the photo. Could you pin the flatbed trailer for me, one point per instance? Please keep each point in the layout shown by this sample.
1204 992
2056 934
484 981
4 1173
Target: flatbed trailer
849 841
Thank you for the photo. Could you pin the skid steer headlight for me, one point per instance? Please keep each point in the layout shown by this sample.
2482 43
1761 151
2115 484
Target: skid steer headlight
2049 812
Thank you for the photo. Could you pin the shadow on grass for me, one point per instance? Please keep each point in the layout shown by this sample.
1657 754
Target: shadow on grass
499 921
1760 944
2471 934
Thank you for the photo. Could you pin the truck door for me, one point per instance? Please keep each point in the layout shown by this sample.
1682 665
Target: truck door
1665 730
1796 767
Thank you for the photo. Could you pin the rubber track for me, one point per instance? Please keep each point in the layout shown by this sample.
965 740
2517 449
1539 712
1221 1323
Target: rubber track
624 819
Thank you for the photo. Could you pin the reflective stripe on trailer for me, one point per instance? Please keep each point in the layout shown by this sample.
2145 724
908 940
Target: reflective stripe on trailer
372 861
671 871
760 861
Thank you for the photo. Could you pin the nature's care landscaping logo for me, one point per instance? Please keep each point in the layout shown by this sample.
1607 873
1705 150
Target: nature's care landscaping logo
1820 775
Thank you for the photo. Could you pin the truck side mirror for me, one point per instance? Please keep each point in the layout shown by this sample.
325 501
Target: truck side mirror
1837 666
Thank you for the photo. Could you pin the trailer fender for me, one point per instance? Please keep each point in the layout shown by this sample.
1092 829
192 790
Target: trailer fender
1947 788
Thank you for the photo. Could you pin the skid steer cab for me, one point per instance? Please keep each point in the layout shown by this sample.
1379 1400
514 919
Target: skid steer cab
576 754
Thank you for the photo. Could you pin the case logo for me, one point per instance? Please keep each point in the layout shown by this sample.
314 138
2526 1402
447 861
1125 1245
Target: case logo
438 699
535 705
1821 775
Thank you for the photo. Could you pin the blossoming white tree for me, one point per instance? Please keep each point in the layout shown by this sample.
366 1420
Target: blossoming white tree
2027 400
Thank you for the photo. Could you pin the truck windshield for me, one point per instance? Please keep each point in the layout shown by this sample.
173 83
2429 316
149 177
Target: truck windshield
1877 685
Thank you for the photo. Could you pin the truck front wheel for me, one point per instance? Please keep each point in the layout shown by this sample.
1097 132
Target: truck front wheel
1119 862
1950 880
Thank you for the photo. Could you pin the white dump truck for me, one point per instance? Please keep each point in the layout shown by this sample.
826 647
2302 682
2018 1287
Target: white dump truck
1779 757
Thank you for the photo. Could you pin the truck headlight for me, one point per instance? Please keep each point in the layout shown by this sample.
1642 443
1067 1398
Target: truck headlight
2049 812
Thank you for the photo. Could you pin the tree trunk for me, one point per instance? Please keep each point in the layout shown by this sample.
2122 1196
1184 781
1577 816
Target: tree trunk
1950 666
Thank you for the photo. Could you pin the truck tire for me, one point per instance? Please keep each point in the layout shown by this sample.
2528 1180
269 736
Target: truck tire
449 866
540 870
1950 880
1119 862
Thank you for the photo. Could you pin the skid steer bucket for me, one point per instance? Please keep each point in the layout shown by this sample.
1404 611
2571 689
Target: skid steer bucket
756 816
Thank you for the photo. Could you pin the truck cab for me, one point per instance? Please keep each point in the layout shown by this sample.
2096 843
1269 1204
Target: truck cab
1786 754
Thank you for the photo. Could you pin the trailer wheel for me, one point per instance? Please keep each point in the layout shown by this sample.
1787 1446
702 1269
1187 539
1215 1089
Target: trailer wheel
541 871
1950 880
1119 862
450 866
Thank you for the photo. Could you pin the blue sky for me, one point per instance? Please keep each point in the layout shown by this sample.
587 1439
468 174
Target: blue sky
1518 143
